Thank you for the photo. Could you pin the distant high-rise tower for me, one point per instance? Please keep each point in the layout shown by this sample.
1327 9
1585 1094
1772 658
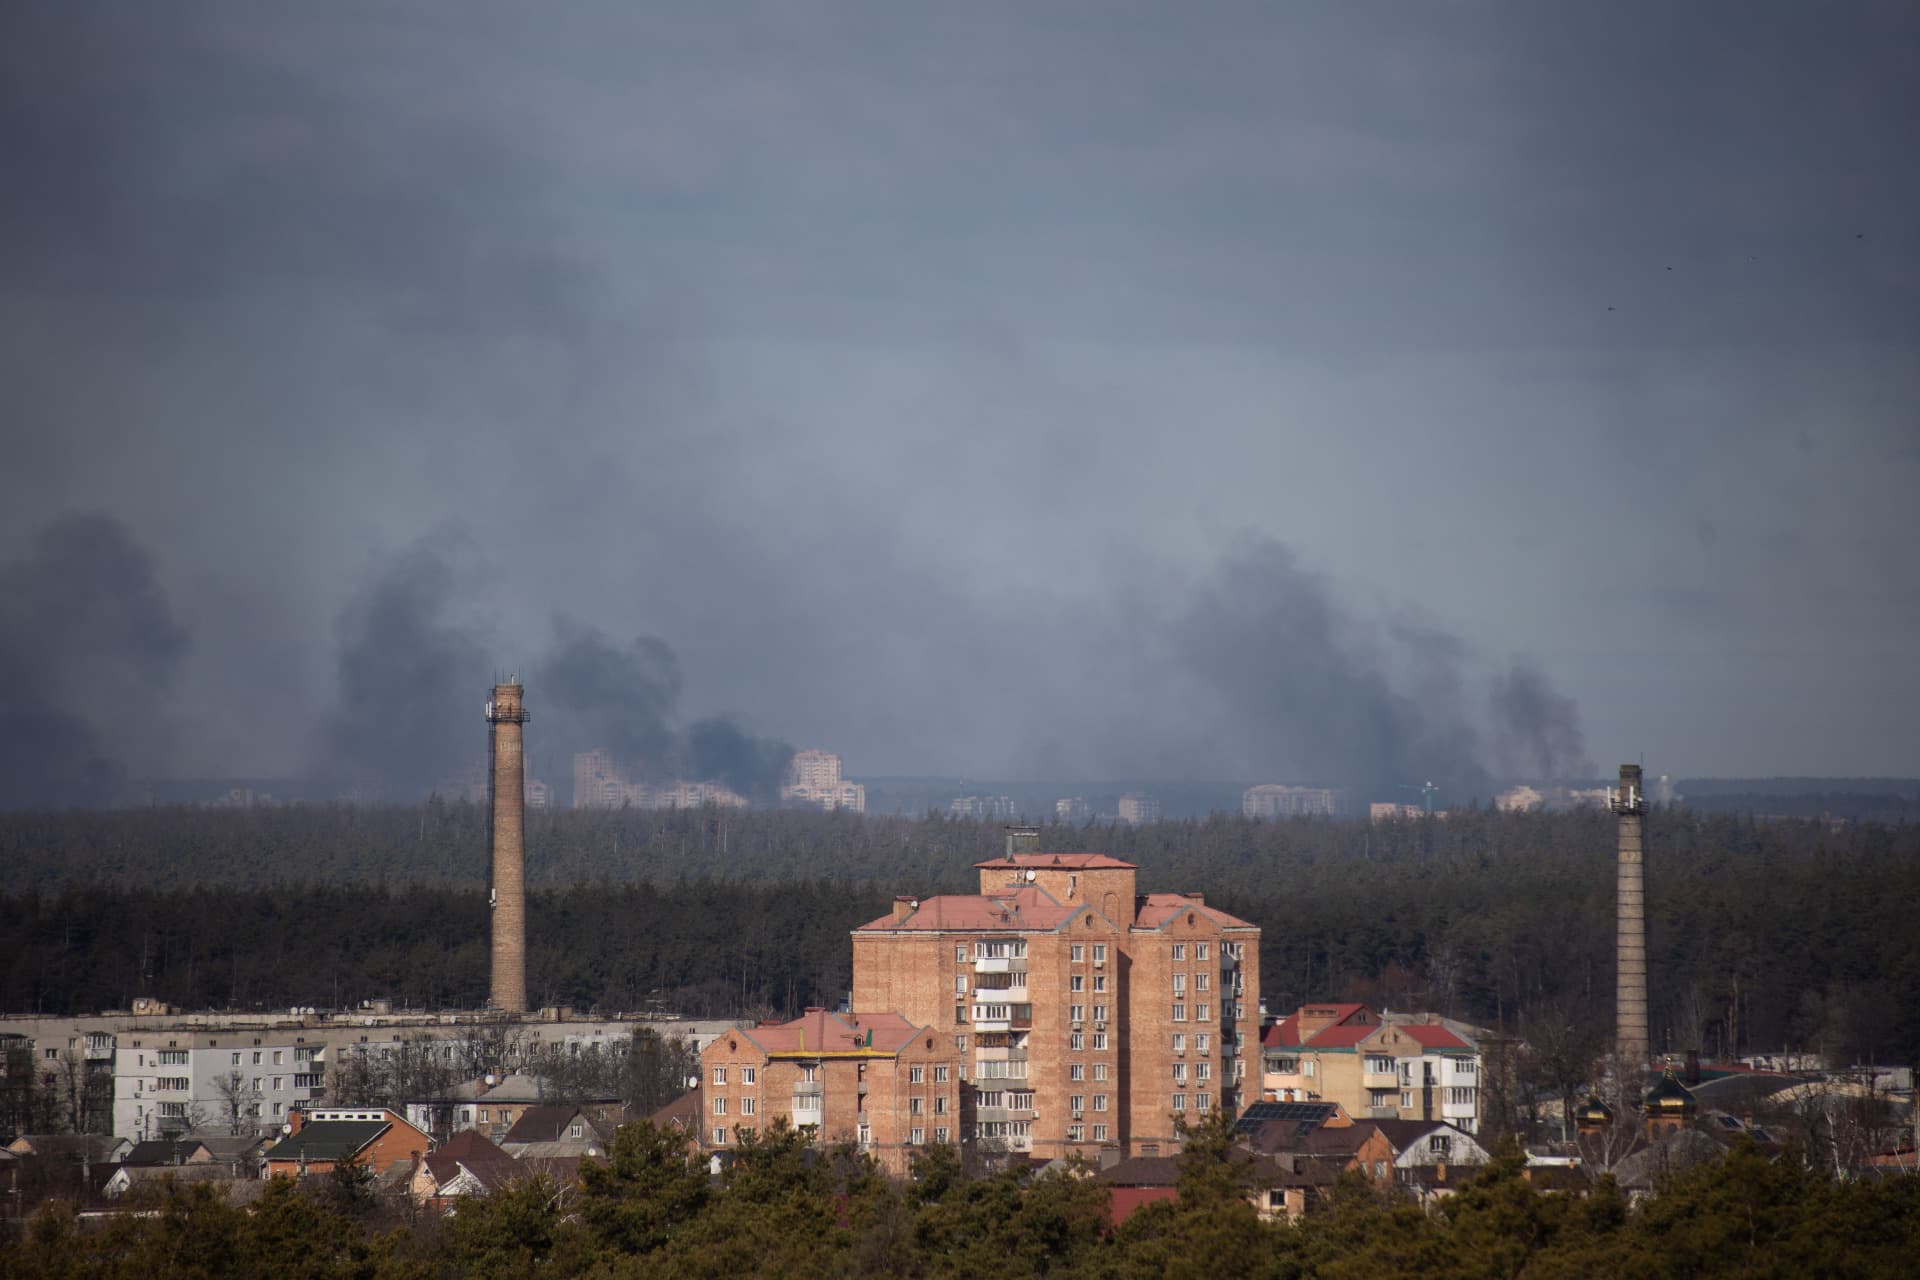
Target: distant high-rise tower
1630 986
507 777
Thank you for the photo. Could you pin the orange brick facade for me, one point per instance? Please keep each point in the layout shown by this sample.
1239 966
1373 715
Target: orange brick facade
870 1079
1084 1015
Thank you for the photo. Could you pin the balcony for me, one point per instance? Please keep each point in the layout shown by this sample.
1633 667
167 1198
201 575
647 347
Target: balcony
806 1111
993 964
1380 1080
992 1024
807 1089
1379 1113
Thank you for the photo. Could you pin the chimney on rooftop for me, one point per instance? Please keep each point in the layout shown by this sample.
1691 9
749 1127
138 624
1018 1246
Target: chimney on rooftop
1630 909
507 782
904 907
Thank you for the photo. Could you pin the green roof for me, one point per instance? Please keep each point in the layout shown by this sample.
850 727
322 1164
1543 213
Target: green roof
328 1140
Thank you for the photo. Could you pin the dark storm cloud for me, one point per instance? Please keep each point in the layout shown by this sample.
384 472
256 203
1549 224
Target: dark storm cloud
90 648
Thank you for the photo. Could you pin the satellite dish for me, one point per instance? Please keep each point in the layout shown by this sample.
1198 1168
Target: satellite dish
1029 874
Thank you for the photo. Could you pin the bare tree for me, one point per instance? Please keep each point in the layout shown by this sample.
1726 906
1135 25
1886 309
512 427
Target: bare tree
239 1101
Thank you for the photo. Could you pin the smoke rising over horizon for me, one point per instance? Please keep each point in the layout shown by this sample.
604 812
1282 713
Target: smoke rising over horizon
1238 392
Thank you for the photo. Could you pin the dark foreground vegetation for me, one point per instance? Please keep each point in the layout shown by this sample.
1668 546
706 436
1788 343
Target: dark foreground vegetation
784 1209
1764 935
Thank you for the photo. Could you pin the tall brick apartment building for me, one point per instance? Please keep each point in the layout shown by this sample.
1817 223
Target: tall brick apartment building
1086 1015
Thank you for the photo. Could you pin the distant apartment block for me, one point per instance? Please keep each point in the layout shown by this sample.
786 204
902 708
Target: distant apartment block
1137 809
1273 800
1523 798
813 779
982 807
602 782
1392 811
1074 809
1376 1068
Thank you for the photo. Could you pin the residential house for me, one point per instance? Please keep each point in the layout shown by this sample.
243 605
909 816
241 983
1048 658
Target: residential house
467 1164
566 1132
1377 1068
316 1141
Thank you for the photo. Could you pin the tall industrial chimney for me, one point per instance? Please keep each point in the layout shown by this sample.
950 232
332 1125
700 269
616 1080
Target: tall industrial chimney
1630 986
507 783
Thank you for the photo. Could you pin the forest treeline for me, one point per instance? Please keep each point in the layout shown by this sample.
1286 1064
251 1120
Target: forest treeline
1763 935
783 1208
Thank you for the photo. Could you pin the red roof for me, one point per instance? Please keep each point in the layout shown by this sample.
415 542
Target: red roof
1285 1034
1064 861
1026 908
471 1150
1428 1036
1340 1037
817 1031
1160 909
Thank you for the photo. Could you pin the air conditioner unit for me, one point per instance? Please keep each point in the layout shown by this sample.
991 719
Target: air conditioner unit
1099 1026
1180 1053
1076 1026
1099 964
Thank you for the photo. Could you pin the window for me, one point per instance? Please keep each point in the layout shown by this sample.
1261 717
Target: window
959 984
719 1076
1179 951
277 1082
1099 1071
1460 1097
1379 1066
1076 1042
483 1110
1179 1042
810 1075
1202 1101
916 1075
719 1107
940 1073
1020 1101
1200 981
1077 982
1099 953
1200 1012
1380 1098
1179 1073
276 1108
573 1130
1306 1068
166 1057
719 1135
236 1059
746 1075
1076 1133
1203 1042
940 1104
1440 1144
1077 1013
1079 952
1203 1071
1100 1040
1461 1066
1099 982
942 1135
1179 1102
747 1107
918 1137
1179 983
916 1106
1200 950
1179 1013
959 1044
1075 1071
960 953
256 1057
1100 1013
1099 1133
1406 1100
1099 1102
1283 1066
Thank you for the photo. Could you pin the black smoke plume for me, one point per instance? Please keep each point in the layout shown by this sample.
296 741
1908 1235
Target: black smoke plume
1537 727
90 648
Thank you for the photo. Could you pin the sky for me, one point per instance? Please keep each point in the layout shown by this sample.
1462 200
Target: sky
1358 394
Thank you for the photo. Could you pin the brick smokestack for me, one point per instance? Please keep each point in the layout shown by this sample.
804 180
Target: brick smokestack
507 783
1630 986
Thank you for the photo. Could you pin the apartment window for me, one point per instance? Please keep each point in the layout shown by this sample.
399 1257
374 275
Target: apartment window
1079 952
1380 1098
1099 982
916 1106
1099 1040
1203 1071
747 1108
1077 1103
1440 1144
1099 1133
959 1044
960 954
1099 1102
809 1075
1099 953
719 1107
1179 1102
483 1110
236 1059
1306 1068
256 1084
1179 1073
1179 951
1077 1013
940 1104
719 1076
1099 1071
1077 982
166 1057
1200 950
916 1075
1202 1101
1460 1097
918 1137
1380 1066
1179 1042
1283 1066
276 1056
1200 980
1020 1101
959 984
940 1074
1200 1012
256 1057
719 1135
1203 1042
1100 1013
1179 1013
1075 1071
942 1135
746 1075
1406 1100
1179 983
573 1130
1076 1041
1461 1066
1076 1133
277 1083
